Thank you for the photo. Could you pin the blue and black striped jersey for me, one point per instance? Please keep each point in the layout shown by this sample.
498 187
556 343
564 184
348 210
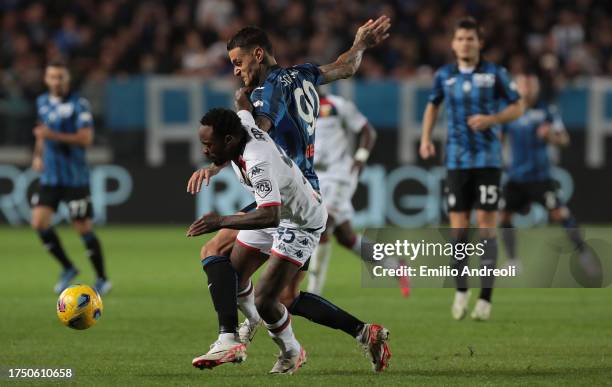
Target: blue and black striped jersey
468 93
530 160
288 98
64 164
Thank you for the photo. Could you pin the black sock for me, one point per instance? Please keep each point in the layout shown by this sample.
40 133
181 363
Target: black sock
460 280
509 237
488 260
94 250
54 246
573 232
323 312
223 287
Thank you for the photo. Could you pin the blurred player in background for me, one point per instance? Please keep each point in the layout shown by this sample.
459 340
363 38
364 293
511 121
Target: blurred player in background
338 171
529 177
64 130
286 104
472 88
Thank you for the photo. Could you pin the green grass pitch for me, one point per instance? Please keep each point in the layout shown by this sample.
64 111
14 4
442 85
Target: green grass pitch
159 316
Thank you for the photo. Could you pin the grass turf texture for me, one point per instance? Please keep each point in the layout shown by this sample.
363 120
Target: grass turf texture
159 316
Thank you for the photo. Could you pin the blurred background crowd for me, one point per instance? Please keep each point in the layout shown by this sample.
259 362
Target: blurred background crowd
105 38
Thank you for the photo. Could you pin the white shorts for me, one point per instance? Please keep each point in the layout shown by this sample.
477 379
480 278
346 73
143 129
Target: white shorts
290 243
337 197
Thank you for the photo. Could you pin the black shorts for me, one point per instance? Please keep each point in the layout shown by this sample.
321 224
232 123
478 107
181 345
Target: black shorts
78 200
519 196
477 188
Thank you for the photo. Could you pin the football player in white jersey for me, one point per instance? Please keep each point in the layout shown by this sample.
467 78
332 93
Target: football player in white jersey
284 230
338 168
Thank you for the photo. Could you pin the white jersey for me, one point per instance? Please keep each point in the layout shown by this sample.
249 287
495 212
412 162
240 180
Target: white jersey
274 179
338 122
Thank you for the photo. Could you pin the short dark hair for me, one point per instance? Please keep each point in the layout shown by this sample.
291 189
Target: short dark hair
468 23
223 122
58 63
250 36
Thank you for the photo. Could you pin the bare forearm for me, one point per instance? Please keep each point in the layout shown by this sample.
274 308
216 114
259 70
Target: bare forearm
80 138
345 66
38 147
510 113
367 138
429 121
263 217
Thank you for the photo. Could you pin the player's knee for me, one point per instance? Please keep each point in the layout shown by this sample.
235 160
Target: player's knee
39 224
214 247
289 295
82 227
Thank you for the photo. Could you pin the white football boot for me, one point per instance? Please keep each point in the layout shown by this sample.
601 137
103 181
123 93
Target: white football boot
482 310
460 304
227 351
288 364
246 331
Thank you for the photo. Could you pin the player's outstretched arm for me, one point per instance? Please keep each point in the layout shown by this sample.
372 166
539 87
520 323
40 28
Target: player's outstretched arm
262 217
368 35
427 148
203 175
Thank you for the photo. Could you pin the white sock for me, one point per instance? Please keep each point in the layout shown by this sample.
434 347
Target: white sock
246 304
357 245
317 271
282 334
227 337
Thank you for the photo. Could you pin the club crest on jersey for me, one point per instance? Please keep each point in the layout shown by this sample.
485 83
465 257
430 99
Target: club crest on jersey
255 171
65 110
263 188
258 103
484 80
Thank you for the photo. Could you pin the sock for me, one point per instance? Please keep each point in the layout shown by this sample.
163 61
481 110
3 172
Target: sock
94 250
246 304
323 312
573 232
509 237
356 246
223 284
461 281
488 260
282 334
54 246
227 337
317 271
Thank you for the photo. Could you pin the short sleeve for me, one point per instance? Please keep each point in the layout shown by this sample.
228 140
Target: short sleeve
268 101
84 118
264 183
436 96
505 87
554 118
351 116
310 72
246 118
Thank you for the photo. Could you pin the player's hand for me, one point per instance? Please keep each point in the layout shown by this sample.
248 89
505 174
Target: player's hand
357 167
241 99
427 149
208 223
372 32
481 121
194 185
41 132
37 164
544 131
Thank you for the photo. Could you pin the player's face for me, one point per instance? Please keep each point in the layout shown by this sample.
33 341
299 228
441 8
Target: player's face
217 150
247 63
57 80
528 87
466 44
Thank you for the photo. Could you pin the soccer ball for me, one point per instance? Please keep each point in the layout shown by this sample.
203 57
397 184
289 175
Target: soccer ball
79 307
